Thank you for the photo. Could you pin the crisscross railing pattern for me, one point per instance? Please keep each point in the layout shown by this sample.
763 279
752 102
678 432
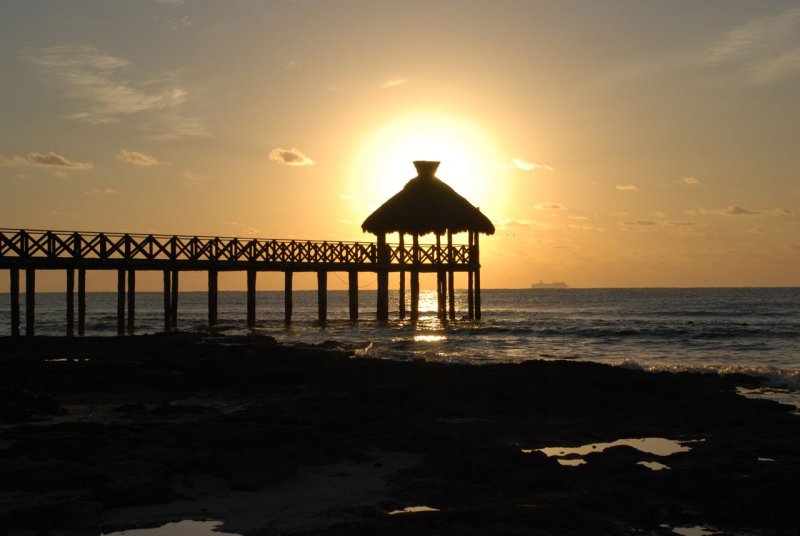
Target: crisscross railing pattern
38 244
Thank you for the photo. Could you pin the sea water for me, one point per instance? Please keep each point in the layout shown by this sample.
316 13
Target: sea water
750 330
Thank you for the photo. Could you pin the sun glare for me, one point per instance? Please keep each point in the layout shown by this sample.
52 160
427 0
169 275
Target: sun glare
467 155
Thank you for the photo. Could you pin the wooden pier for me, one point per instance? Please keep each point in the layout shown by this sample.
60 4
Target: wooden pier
29 251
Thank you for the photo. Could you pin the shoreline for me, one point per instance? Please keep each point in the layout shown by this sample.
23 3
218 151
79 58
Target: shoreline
95 425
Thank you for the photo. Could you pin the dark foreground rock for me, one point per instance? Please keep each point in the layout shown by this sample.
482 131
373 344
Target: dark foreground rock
90 425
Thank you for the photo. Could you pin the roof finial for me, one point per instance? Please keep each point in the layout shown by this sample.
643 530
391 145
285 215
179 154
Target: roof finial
426 168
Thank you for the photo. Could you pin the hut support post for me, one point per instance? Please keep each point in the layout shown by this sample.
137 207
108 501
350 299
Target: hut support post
440 282
81 301
477 278
131 300
451 277
213 285
383 279
322 296
401 297
14 288
167 301
70 302
352 294
30 302
121 302
251 298
415 280
287 297
173 302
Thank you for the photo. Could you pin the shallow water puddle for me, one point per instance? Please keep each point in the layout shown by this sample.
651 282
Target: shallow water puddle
657 446
413 510
694 531
180 528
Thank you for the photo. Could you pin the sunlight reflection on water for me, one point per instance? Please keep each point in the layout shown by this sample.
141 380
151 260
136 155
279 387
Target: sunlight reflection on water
180 528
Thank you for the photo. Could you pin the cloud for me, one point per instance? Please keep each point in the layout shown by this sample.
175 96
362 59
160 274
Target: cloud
736 210
394 82
690 180
793 247
191 178
170 2
136 158
549 206
290 157
626 187
640 223
101 191
291 65
60 175
766 47
50 159
524 165
101 83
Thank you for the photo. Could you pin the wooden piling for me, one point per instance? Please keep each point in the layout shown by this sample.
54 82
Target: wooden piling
14 289
322 296
383 279
287 297
251 297
212 297
401 293
30 302
167 301
81 302
131 301
352 294
121 302
440 296
415 279
173 301
477 278
451 277
70 302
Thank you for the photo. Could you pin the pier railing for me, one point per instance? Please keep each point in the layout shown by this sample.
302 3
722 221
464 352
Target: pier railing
96 249
28 250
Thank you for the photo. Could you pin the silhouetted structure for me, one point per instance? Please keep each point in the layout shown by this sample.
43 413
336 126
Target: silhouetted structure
428 205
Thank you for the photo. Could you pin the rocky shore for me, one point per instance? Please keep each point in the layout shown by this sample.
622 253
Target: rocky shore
103 434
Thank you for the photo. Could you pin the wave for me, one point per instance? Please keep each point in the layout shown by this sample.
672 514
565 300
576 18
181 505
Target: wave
772 376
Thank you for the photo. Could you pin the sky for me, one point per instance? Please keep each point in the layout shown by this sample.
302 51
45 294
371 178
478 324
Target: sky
612 143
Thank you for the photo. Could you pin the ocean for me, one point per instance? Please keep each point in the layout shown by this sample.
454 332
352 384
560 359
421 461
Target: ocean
750 330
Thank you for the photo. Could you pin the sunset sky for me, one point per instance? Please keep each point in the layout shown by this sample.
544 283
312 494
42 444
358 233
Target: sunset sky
613 144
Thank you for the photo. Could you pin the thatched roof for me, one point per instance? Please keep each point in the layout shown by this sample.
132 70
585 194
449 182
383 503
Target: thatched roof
427 205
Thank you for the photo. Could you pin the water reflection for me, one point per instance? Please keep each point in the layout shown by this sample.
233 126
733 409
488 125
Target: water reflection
180 528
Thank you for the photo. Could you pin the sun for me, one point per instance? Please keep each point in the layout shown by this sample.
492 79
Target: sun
467 154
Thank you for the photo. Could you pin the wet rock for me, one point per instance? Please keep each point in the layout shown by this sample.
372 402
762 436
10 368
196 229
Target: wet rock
251 471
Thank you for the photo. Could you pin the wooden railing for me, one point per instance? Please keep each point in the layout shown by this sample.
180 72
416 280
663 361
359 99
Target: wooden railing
19 245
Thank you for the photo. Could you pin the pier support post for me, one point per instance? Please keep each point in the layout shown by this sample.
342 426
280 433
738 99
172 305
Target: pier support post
415 279
451 277
322 296
173 302
121 302
30 302
70 302
251 297
212 297
14 284
287 297
383 279
167 302
470 297
352 294
131 301
81 301
401 293
441 289
477 278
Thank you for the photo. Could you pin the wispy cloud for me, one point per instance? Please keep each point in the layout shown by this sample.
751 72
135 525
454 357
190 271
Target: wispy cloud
549 206
393 82
136 158
191 178
292 65
524 165
691 181
101 191
290 157
626 187
101 83
50 159
736 210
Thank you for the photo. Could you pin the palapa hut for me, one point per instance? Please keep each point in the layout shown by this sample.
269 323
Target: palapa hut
428 205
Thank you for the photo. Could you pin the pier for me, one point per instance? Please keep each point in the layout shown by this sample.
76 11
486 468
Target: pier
76 253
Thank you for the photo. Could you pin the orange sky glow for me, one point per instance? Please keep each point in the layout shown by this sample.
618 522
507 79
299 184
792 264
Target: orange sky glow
612 144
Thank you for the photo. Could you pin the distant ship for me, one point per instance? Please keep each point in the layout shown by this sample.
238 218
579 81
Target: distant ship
555 284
